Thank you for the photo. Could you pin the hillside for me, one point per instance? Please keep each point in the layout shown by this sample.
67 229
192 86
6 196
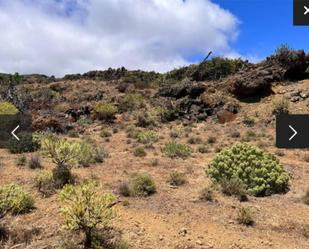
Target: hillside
134 120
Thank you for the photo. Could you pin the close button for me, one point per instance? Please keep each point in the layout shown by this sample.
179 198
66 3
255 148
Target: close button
292 131
301 12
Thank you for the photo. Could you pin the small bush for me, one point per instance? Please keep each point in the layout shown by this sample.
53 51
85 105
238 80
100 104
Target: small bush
85 209
177 178
176 133
44 182
124 189
24 145
259 171
168 115
84 121
105 133
105 111
142 186
175 150
21 160
14 199
203 149
131 102
145 120
6 108
306 197
306 158
281 106
140 152
207 194
245 216
62 175
234 187
35 162
147 137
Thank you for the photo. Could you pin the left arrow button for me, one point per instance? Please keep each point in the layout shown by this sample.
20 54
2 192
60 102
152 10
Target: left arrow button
13 132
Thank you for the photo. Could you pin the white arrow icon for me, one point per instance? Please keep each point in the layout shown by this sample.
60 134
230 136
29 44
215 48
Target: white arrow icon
295 132
306 10
14 133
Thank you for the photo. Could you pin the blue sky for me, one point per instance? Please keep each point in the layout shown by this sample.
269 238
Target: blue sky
57 37
265 24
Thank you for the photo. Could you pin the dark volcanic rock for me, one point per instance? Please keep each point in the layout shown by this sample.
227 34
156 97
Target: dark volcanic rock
288 65
181 90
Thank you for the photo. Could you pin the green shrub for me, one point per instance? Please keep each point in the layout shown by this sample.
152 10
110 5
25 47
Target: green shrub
44 182
259 171
139 152
85 209
168 115
217 68
173 150
24 145
6 108
83 121
177 178
21 160
14 199
105 111
131 102
142 185
62 151
245 216
147 137
124 189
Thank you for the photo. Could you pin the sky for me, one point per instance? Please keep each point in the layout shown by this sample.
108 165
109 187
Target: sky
57 37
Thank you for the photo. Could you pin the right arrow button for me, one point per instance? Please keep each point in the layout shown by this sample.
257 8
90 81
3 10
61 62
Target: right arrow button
294 134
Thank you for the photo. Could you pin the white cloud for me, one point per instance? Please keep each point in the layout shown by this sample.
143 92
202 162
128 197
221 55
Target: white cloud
69 36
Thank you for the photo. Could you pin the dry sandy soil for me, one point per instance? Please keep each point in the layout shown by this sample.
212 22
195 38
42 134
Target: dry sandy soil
174 217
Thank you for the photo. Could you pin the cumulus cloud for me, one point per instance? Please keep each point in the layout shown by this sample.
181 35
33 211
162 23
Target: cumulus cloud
69 36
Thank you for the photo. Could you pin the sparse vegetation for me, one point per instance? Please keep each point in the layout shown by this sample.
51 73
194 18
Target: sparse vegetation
280 106
174 150
44 182
105 111
140 151
147 137
177 178
131 102
207 194
21 160
34 162
15 200
142 185
259 171
85 209
245 216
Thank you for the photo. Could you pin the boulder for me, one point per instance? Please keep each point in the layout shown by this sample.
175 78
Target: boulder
193 90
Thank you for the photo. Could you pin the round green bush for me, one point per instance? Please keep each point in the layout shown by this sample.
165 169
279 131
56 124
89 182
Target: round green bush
105 111
260 172
6 108
14 199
